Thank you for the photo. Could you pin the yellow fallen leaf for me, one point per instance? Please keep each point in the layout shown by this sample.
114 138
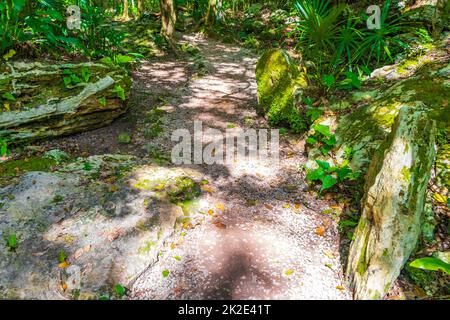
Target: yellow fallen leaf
159 187
219 224
268 206
114 188
64 286
440 198
187 225
64 265
6 105
286 205
220 206
289 272
210 212
320 231
329 254
335 207
340 288
207 189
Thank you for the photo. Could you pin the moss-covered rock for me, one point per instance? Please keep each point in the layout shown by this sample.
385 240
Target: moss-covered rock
279 82
393 204
51 99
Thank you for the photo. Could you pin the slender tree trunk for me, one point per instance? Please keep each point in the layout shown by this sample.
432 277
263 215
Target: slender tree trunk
168 20
214 12
141 8
125 15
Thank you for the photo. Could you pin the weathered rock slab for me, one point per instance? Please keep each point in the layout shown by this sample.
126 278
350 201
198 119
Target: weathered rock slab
51 99
109 215
393 204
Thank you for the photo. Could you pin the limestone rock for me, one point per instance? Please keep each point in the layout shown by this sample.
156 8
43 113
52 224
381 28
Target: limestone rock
279 82
109 231
58 99
393 204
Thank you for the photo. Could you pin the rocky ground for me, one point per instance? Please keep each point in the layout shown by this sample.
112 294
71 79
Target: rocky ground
245 230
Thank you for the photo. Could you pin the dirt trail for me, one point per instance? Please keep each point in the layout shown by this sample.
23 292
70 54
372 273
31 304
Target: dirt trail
261 241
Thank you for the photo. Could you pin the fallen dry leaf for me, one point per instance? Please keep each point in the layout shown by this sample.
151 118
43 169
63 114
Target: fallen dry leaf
219 224
64 265
207 188
64 286
340 288
210 212
286 205
320 231
220 206
268 206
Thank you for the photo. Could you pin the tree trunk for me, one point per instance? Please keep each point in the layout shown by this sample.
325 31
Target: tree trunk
211 13
168 20
125 15
141 8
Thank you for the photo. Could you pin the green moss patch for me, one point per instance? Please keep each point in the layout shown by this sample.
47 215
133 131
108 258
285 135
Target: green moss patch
15 167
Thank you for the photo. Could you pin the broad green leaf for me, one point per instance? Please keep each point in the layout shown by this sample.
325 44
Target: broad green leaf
311 141
348 223
85 74
324 130
62 256
120 290
323 164
317 174
67 81
432 264
327 182
8 96
165 273
120 92
12 241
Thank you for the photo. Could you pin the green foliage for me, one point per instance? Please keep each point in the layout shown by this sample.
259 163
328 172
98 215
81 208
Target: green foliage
62 256
329 175
3 147
379 44
322 138
432 264
119 91
336 41
124 138
120 290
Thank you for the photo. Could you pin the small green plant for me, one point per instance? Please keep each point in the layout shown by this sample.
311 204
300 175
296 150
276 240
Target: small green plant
8 96
70 78
322 138
120 290
120 92
85 74
102 101
3 148
330 175
11 242
124 138
165 273
62 256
